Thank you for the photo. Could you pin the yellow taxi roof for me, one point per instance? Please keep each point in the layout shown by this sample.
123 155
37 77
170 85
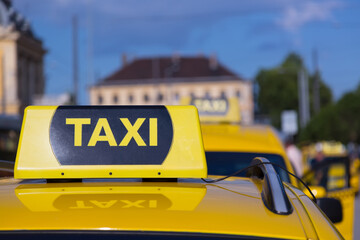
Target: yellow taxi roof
230 207
227 137
328 148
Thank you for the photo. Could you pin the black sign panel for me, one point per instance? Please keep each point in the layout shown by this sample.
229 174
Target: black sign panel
111 135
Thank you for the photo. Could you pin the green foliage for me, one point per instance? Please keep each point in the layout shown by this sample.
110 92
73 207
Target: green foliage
340 121
278 89
317 130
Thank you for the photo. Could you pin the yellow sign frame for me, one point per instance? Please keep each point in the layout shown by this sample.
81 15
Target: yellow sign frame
35 158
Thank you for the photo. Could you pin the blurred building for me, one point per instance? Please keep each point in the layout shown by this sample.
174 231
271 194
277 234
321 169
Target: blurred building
21 61
165 80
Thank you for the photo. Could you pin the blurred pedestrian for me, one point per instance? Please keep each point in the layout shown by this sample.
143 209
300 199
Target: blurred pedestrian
319 155
352 149
321 172
294 155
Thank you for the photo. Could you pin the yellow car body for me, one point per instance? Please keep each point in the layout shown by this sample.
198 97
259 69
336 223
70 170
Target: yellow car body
232 208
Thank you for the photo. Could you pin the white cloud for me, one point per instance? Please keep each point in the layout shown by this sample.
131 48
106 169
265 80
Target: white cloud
294 17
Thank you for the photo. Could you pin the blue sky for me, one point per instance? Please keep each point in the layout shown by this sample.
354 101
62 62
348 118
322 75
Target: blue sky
245 35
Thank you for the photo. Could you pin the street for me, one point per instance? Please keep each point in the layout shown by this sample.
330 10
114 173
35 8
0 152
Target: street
357 218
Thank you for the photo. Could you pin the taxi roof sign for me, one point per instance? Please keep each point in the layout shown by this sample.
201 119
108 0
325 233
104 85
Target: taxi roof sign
215 110
64 142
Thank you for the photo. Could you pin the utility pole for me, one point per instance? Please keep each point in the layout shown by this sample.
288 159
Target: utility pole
3 91
75 59
303 88
316 86
90 46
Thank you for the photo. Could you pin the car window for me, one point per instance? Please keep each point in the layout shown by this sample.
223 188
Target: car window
225 163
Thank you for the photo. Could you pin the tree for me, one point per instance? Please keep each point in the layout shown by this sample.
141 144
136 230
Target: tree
318 128
278 89
340 121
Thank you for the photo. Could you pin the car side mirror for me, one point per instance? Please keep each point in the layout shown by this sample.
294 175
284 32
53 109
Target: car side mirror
332 208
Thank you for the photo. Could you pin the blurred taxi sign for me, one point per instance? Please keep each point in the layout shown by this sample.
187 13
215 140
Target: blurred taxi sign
117 197
331 147
215 109
110 142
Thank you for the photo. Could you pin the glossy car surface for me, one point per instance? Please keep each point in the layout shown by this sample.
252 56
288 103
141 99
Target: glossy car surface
232 208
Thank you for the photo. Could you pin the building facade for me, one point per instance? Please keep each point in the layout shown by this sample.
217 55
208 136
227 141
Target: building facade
166 80
21 62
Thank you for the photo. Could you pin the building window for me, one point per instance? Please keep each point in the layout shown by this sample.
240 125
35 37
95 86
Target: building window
146 98
115 99
207 94
160 97
238 94
100 99
131 98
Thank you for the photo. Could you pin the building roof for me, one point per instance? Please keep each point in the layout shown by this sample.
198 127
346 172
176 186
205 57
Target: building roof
176 68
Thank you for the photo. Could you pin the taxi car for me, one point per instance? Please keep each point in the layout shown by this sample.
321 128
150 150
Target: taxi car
333 150
330 169
125 172
230 145
233 146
